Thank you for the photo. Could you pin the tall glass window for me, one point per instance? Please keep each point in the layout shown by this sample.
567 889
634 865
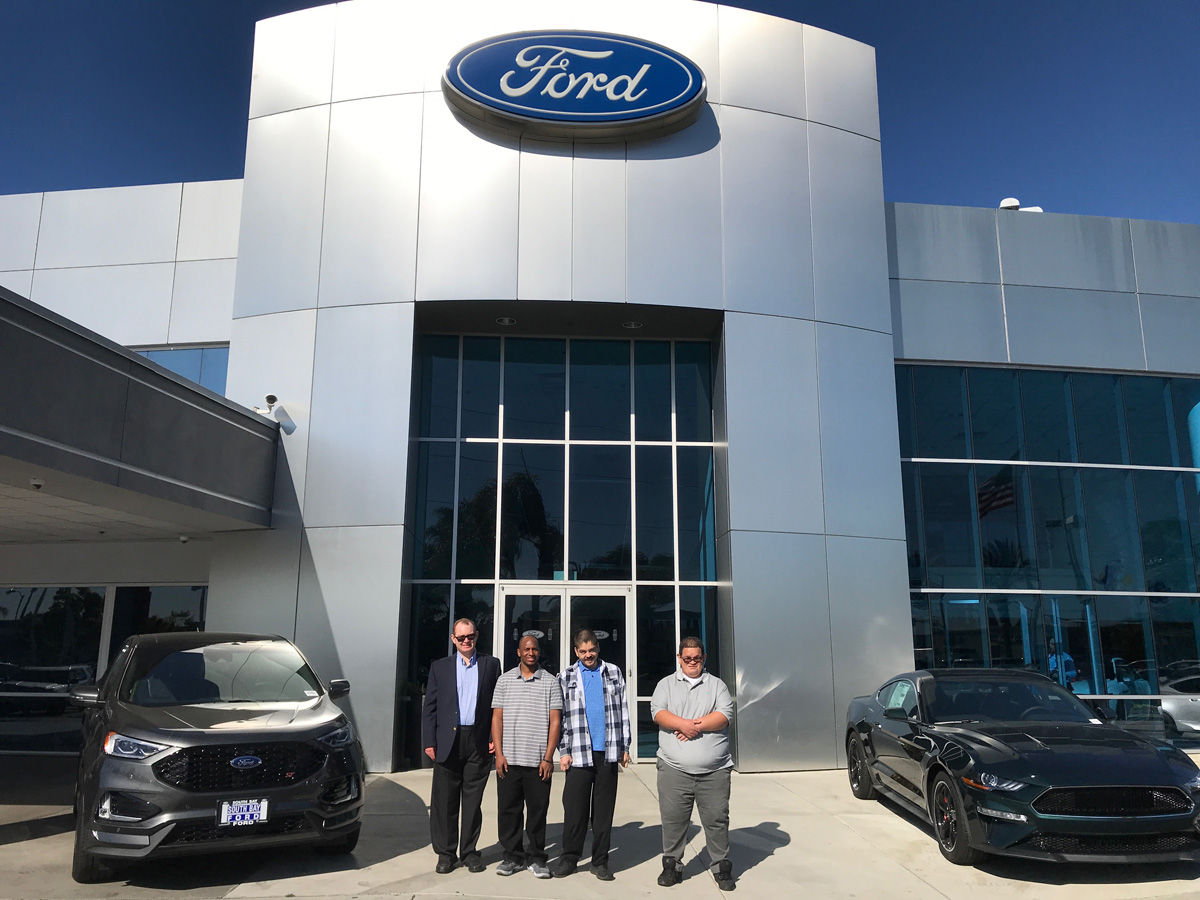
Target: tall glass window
1053 522
562 461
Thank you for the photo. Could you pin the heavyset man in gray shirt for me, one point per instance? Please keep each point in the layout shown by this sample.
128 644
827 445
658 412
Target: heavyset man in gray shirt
693 710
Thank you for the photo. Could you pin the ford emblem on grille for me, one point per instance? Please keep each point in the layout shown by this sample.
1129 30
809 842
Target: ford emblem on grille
245 762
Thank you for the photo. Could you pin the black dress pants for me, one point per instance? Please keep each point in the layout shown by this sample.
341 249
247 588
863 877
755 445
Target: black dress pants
459 781
522 791
589 793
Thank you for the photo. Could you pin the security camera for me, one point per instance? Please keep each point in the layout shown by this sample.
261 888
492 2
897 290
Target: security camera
270 400
36 483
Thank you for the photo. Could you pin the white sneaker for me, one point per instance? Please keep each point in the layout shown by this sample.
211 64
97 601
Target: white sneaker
508 867
540 870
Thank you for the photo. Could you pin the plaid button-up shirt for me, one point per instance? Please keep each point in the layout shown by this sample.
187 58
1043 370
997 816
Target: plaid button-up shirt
576 740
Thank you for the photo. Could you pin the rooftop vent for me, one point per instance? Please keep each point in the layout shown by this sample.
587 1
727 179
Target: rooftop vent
1014 203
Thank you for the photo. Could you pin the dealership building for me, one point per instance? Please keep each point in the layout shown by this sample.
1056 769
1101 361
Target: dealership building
674 369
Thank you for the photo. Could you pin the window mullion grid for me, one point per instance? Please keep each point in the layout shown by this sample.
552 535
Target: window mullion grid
674 494
457 469
499 469
566 560
633 572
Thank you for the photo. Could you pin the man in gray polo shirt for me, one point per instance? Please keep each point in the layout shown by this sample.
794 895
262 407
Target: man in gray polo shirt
526 721
692 710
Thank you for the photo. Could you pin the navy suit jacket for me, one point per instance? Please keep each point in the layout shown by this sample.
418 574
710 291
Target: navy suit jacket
440 715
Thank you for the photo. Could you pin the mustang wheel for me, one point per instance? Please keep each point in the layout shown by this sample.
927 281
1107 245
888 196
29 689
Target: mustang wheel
859 770
950 824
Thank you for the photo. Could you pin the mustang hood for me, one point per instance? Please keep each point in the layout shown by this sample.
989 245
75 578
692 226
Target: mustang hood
233 719
1069 753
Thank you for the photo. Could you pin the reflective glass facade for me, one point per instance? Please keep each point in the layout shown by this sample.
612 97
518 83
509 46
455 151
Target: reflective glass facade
207 366
1054 517
576 463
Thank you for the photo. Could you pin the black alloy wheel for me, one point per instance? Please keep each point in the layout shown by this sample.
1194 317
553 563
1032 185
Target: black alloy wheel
859 769
950 823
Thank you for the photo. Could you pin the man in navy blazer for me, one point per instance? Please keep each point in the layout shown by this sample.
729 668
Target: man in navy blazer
456 724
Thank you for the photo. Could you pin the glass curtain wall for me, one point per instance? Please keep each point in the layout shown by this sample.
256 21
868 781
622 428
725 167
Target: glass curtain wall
1053 523
563 461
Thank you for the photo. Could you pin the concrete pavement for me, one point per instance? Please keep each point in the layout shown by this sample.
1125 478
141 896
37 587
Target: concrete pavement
799 832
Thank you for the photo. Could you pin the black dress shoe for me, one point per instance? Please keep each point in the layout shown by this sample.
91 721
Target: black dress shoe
563 867
474 863
445 865
603 872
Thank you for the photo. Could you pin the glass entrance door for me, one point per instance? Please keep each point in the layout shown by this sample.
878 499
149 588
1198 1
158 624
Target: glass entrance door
553 616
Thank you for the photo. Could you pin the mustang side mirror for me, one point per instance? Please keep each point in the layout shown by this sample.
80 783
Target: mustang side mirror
895 712
338 687
86 695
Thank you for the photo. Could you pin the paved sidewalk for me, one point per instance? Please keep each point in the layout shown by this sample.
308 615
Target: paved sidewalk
792 834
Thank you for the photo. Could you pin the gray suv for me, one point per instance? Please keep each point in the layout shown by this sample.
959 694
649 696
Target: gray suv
205 742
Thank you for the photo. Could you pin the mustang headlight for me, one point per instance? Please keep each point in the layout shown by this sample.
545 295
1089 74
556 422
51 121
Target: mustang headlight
339 737
131 748
1193 784
985 781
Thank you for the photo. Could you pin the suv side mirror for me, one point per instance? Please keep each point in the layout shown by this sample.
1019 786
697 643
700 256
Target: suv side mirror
338 687
86 695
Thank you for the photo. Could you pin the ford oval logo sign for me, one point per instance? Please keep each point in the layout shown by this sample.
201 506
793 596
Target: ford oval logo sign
245 762
575 85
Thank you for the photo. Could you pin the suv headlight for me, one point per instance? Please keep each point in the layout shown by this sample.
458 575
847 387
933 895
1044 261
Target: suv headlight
131 748
339 737
985 781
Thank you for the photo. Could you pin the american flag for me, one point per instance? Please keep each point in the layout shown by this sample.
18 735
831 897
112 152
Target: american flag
996 492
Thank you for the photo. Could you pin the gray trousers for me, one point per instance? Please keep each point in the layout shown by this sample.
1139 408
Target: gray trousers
677 791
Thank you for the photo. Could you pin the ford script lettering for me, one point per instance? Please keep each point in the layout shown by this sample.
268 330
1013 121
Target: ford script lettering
245 762
575 85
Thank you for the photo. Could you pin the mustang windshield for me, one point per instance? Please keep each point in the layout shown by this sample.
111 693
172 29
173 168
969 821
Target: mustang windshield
984 700
235 672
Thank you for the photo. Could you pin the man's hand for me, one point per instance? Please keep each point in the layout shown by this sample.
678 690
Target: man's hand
431 753
689 730
625 759
545 770
564 761
501 765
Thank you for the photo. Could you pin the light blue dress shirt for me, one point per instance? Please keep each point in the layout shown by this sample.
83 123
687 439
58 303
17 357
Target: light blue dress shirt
467 681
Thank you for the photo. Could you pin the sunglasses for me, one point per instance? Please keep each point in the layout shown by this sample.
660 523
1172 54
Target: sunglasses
464 638
689 660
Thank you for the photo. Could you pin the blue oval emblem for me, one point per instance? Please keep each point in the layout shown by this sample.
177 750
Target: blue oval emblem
245 762
579 85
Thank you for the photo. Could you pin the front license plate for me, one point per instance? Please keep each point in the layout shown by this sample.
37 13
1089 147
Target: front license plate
243 812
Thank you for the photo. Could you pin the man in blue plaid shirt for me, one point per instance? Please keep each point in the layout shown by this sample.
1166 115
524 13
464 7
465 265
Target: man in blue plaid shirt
595 738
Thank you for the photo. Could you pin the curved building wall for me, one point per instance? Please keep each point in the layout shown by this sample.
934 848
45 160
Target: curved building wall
364 195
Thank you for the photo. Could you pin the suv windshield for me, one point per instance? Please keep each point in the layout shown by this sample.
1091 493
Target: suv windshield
1002 701
234 672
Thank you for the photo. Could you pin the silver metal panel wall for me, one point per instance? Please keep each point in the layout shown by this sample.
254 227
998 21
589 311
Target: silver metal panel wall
773 428
469 191
359 427
860 445
598 224
674 218
293 61
378 51
1052 250
543 243
1169 328
283 199
252 583
869 619
768 236
782 646
369 239
762 62
20 215
933 318
942 243
1058 327
1167 255
18 282
127 304
202 301
349 595
849 244
118 226
840 82
209 215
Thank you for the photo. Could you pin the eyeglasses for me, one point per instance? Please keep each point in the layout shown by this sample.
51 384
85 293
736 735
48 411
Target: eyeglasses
464 638
690 660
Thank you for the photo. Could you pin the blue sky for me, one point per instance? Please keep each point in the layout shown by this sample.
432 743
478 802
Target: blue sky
1079 106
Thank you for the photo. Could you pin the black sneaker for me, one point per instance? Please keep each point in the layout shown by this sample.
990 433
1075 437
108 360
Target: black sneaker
564 866
723 875
672 872
603 872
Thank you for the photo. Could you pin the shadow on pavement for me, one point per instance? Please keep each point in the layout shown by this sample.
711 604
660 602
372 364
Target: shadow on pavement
33 789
